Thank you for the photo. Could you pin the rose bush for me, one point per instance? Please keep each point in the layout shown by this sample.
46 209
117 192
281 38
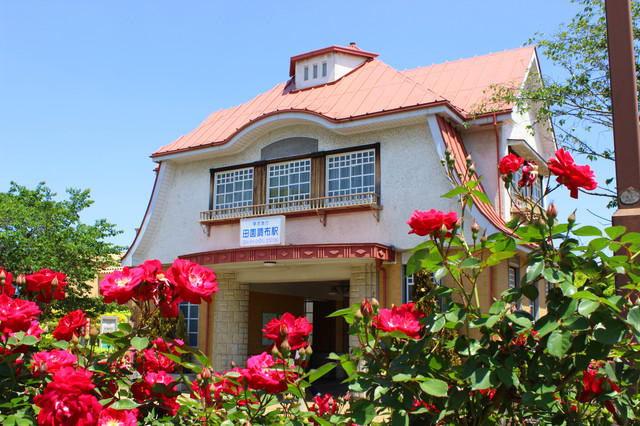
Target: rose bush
575 364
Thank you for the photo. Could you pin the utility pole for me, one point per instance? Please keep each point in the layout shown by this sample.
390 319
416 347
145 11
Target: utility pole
624 102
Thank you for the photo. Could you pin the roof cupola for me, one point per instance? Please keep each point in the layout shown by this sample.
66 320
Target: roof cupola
326 65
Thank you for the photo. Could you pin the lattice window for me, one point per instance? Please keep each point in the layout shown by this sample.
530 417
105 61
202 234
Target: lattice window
289 181
351 173
233 188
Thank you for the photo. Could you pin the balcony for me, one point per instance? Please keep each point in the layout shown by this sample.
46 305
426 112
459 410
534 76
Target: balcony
310 206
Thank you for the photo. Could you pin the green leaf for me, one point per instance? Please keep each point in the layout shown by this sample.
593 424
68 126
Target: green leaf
588 231
505 376
631 237
495 258
615 231
523 319
363 411
481 378
609 331
559 343
314 375
481 196
414 264
545 325
139 343
552 275
456 191
61 344
531 291
434 387
533 271
634 317
125 327
124 404
587 307
440 273
513 223
29 340
402 377
469 263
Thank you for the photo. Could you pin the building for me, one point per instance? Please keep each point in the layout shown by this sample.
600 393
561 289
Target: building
298 199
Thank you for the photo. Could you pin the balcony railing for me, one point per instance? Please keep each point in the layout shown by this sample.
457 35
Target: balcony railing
322 206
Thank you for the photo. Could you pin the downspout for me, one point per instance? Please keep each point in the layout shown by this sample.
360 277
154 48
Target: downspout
495 129
383 292
208 329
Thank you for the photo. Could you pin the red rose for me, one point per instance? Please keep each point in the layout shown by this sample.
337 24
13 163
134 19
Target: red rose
69 325
510 164
294 330
570 174
153 360
68 399
113 417
193 282
16 314
593 388
42 283
121 285
5 283
143 390
427 223
404 319
324 405
52 361
263 372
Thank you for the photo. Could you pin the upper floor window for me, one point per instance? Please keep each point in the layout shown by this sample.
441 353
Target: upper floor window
233 188
315 70
289 181
351 173
324 69
306 73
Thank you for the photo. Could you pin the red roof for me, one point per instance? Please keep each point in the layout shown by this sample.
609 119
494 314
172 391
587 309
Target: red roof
373 88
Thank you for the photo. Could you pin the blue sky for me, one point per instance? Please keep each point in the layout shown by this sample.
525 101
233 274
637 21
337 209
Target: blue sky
89 89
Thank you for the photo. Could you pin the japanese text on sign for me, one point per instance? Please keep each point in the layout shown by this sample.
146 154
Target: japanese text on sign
262 231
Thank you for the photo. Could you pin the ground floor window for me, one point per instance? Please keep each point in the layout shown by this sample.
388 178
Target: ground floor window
191 313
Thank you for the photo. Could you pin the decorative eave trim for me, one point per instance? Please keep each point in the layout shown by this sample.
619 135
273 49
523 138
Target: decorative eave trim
294 252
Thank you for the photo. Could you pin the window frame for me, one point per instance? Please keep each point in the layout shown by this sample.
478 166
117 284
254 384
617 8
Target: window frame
315 71
324 68
215 184
306 73
329 179
187 319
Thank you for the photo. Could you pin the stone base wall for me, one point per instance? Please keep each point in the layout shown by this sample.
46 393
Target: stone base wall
231 323
363 283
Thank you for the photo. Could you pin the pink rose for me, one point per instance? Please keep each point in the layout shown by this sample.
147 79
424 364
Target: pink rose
427 223
16 314
263 373
510 164
570 174
69 325
529 174
121 285
294 330
42 284
193 282
113 417
68 399
51 362
404 319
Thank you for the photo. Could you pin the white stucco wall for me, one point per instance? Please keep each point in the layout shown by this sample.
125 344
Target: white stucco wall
338 64
411 178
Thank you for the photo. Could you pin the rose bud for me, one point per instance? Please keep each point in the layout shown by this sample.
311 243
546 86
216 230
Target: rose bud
285 348
358 315
447 153
199 377
469 160
94 332
366 309
21 280
3 277
206 374
552 211
472 170
444 230
232 364
275 352
475 227
75 340
375 303
443 162
572 218
309 351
